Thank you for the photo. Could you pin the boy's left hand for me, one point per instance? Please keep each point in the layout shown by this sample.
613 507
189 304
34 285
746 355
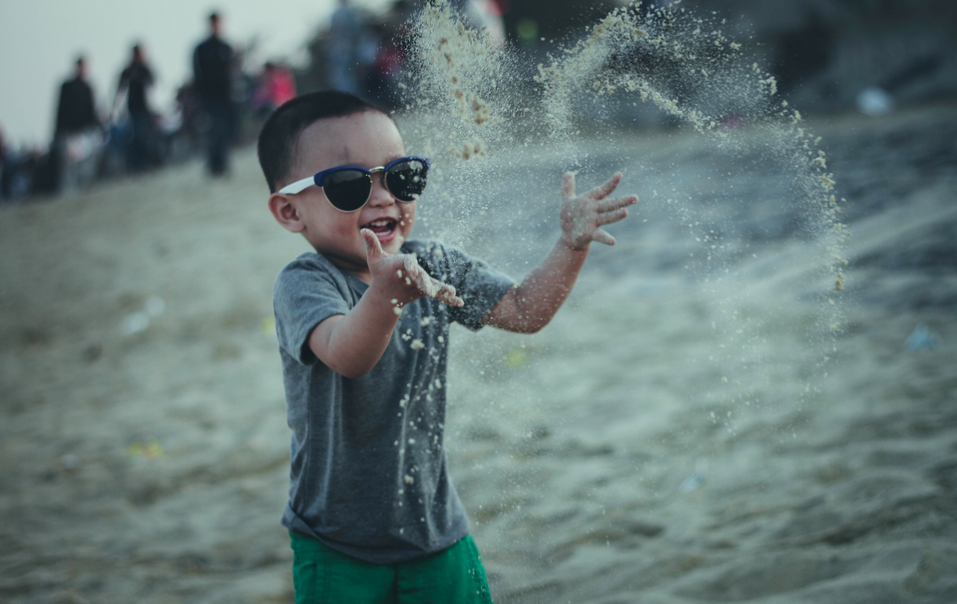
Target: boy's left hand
400 278
583 216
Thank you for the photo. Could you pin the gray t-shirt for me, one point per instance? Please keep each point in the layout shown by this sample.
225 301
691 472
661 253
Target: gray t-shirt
369 474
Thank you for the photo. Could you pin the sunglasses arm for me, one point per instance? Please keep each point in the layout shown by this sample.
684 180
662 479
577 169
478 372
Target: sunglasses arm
298 186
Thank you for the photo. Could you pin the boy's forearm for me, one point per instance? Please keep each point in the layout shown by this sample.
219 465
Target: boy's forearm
530 306
545 289
354 343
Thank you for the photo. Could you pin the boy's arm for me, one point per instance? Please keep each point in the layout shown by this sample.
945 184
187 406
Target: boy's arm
352 344
530 306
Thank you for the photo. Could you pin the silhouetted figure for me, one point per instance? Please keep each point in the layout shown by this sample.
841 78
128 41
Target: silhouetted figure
16 171
136 81
385 73
803 52
78 137
345 31
213 83
76 111
6 171
276 86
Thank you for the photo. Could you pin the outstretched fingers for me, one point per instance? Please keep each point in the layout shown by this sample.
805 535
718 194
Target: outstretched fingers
610 217
602 237
568 185
433 288
428 285
423 281
602 191
614 203
583 216
614 209
446 293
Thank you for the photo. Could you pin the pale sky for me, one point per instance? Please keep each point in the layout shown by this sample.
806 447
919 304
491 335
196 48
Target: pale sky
40 39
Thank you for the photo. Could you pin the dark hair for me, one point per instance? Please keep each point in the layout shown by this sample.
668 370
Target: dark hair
279 136
213 18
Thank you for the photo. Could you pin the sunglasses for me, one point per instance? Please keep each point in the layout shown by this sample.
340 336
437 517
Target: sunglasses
348 188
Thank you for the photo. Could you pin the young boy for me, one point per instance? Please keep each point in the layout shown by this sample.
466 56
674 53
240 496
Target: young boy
363 334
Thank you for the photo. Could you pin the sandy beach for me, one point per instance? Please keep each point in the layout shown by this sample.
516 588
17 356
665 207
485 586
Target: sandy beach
689 428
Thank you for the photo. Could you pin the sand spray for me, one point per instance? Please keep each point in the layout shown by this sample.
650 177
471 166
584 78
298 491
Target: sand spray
478 107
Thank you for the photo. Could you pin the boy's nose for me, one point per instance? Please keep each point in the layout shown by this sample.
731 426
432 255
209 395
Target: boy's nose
380 195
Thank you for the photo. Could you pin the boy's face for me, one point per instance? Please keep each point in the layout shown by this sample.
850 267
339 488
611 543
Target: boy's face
367 139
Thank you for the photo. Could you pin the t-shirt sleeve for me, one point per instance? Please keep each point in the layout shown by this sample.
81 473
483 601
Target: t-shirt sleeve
306 293
479 285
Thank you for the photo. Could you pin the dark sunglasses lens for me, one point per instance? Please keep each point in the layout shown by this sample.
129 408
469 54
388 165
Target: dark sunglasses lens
407 180
348 190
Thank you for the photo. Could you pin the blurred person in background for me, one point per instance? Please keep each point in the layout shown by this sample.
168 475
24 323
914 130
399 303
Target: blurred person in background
136 81
5 170
345 32
213 85
76 108
386 72
483 15
276 86
78 136
382 80
17 169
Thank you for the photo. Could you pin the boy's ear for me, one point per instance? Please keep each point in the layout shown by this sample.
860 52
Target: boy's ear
285 213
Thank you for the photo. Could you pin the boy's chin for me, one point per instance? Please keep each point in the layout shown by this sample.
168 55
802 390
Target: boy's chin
393 241
394 245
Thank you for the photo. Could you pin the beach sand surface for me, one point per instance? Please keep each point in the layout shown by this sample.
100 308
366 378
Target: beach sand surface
674 436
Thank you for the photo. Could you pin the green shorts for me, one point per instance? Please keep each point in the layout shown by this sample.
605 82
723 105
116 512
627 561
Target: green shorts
321 575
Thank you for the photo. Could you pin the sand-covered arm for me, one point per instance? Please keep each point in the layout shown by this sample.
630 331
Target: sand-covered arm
352 344
528 307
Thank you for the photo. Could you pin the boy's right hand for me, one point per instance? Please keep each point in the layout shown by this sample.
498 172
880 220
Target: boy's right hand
582 216
400 279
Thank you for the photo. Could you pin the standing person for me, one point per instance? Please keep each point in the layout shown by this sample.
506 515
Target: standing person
344 34
6 171
136 80
78 135
213 81
76 109
276 86
363 328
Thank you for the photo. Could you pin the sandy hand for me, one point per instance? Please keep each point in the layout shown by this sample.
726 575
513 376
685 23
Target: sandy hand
583 216
399 277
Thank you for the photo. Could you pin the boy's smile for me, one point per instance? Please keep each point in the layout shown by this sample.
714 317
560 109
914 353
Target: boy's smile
384 228
366 139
